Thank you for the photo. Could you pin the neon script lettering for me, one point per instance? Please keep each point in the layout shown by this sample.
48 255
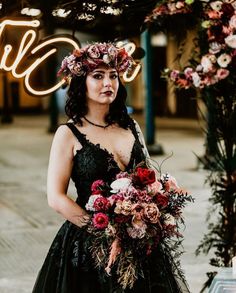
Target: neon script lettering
28 48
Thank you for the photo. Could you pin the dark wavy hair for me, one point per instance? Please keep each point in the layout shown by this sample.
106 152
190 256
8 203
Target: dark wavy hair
76 104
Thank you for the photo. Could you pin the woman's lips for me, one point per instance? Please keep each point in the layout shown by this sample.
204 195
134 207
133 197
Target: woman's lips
107 93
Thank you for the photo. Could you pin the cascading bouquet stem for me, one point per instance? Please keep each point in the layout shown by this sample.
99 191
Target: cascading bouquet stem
130 217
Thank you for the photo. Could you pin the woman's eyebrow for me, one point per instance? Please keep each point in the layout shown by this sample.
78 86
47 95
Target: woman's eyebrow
103 71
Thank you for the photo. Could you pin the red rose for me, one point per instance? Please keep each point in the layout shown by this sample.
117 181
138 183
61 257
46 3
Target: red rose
100 220
145 176
101 204
162 200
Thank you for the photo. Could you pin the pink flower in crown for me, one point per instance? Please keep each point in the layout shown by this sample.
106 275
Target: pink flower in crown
93 51
101 204
100 220
97 186
151 212
77 69
112 51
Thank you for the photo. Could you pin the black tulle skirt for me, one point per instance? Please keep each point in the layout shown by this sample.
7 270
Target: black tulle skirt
68 268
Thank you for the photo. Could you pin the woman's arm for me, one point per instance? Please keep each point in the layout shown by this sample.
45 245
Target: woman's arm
59 172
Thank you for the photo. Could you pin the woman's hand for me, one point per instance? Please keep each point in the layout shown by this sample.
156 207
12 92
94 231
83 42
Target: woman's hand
83 220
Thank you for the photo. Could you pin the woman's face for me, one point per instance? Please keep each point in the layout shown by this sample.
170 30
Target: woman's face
102 85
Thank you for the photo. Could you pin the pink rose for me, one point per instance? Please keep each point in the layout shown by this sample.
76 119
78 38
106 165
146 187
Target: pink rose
93 52
100 220
151 212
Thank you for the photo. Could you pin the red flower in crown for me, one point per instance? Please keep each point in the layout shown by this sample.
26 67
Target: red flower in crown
84 60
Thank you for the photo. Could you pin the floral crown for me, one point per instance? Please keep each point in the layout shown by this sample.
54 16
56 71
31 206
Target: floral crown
82 61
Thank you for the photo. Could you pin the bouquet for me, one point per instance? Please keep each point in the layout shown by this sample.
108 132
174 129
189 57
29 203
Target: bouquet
130 217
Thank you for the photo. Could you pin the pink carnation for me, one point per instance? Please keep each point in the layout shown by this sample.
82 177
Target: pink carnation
100 220
101 204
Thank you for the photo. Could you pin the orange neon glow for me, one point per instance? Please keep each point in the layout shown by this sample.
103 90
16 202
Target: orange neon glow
26 44
27 49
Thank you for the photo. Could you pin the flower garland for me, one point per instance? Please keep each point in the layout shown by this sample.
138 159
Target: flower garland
219 23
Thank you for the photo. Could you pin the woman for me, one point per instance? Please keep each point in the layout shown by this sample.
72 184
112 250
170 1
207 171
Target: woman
99 141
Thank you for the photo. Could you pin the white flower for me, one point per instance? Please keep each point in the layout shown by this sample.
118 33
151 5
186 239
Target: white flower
231 41
223 60
90 204
169 220
120 184
216 5
196 79
206 64
106 58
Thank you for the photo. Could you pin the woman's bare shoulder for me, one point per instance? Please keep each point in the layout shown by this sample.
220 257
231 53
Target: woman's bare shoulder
63 134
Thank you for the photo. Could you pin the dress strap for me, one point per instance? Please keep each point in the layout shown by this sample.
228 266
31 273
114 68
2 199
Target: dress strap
134 129
80 136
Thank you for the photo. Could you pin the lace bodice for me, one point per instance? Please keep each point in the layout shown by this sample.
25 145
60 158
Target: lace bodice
92 163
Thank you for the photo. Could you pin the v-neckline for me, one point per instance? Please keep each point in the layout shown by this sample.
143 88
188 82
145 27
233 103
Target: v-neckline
110 154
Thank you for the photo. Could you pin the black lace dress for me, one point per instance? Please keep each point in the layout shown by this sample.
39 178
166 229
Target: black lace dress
68 267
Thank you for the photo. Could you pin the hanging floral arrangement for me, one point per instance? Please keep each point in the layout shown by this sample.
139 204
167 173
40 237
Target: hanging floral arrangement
211 70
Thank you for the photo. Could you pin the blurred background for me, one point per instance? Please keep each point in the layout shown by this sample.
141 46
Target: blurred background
30 112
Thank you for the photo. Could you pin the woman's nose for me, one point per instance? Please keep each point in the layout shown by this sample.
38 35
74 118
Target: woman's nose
107 82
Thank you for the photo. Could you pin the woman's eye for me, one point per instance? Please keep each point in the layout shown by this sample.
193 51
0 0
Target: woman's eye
114 76
97 76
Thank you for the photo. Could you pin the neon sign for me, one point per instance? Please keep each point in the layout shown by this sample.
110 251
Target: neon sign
28 48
